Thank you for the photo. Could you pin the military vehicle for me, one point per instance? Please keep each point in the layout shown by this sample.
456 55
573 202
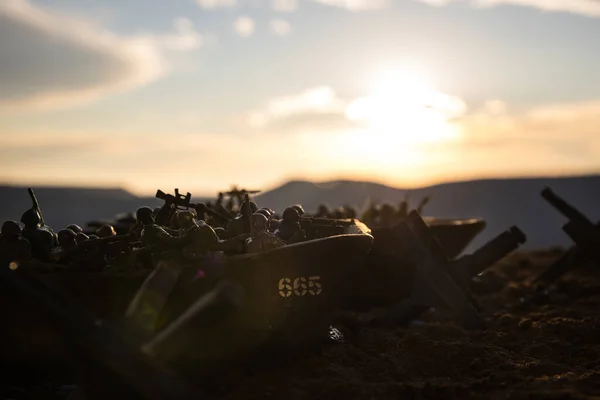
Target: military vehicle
287 295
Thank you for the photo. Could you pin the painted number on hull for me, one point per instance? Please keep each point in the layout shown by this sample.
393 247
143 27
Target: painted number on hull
300 286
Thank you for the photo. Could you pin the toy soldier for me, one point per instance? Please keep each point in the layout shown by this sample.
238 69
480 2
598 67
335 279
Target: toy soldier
67 239
81 237
349 212
67 245
299 208
164 214
323 211
261 239
106 231
42 239
199 237
289 229
74 227
13 247
241 223
154 236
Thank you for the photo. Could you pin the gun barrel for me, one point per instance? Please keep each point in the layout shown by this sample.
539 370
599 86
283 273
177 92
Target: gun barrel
495 250
563 207
161 195
36 205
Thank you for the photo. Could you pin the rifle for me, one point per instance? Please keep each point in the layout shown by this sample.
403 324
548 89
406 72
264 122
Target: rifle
178 199
184 202
36 205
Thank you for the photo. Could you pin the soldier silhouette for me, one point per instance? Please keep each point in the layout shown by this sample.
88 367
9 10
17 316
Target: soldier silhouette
241 223
13 247
261 239
289 229
41 238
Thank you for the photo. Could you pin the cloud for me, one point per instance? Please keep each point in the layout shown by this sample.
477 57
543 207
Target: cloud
49 60
244 26
355 5
216 3
589 8
317 100
280 27
285 5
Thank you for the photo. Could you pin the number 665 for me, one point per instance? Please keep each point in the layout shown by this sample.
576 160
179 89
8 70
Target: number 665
300 286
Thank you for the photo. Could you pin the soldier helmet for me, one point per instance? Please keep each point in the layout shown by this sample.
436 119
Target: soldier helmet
323 210
259 222
299 208
106 230
81 237
31 217
264 211
291 214
74 227
10 228
349 211
185 218
338 213
66 237
144 215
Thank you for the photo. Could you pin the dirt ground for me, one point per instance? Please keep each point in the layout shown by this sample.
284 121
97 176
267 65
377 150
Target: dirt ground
549 351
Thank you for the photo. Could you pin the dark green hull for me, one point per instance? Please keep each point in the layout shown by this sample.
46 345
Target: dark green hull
290 295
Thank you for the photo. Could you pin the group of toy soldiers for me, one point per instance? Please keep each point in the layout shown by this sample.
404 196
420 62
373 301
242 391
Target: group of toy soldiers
387 215
193 233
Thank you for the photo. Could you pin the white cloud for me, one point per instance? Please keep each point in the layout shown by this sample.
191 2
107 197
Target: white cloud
355 5
49 60
285 5
280 27
589 8
244 26
317 100
216 3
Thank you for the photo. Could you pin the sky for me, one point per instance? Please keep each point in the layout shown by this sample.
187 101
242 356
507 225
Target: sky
203 94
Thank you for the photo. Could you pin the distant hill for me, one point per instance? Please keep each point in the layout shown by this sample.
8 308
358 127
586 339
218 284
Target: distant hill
501 202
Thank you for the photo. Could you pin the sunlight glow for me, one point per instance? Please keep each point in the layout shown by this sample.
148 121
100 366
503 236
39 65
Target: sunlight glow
402 110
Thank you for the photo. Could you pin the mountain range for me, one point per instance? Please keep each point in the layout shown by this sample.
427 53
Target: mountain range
501 202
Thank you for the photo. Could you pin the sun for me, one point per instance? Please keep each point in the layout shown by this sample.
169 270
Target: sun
403 110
